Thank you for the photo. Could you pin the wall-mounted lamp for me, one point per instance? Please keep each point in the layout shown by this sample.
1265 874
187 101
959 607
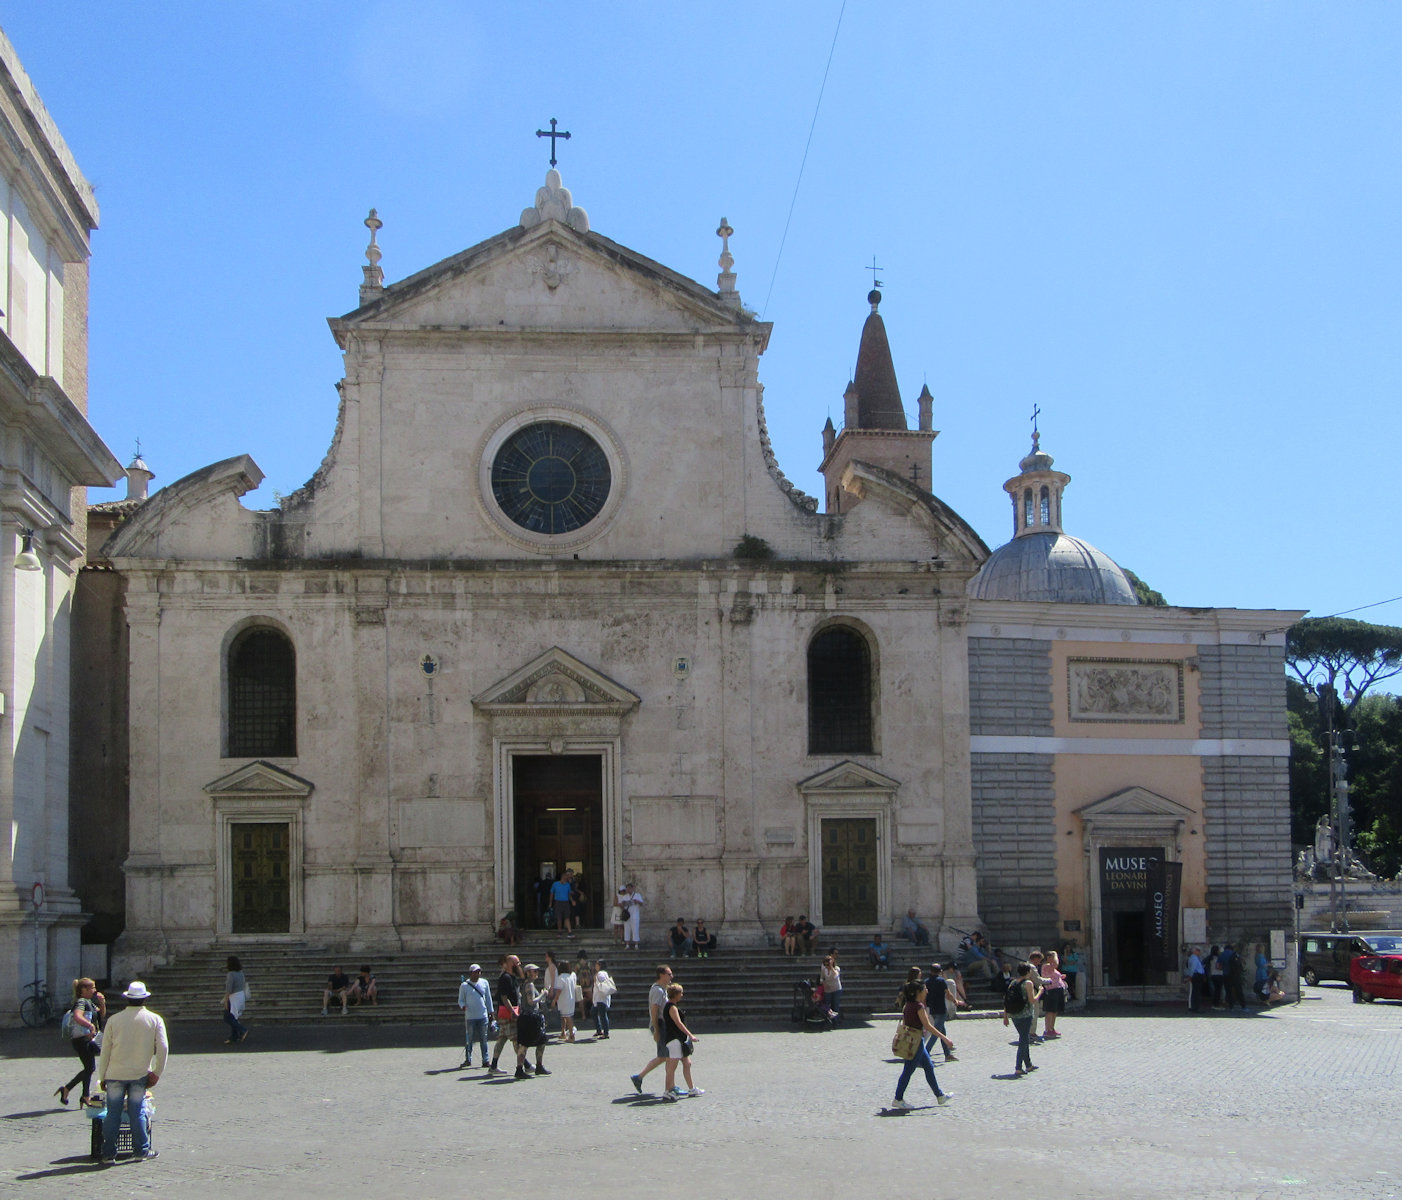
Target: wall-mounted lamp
26 559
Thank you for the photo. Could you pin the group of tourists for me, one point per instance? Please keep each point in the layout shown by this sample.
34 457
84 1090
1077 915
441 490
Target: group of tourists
518 1011
1222 976
1036 987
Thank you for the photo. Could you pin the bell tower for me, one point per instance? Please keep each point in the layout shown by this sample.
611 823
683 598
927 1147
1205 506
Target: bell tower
874 426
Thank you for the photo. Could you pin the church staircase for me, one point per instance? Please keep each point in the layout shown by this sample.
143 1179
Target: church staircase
750 985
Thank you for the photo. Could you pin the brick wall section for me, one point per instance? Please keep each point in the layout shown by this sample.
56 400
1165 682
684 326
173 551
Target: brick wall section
1010 686
1014 838
1243 691
1246 808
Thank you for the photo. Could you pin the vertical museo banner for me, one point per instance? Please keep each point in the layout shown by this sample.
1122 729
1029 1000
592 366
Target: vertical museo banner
1162 886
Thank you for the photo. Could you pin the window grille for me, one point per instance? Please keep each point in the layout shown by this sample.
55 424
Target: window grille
262 695
839 693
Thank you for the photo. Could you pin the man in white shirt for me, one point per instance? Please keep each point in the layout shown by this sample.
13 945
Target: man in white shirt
633 906
134 1050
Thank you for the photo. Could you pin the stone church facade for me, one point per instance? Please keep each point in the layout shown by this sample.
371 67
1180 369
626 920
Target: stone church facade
550 602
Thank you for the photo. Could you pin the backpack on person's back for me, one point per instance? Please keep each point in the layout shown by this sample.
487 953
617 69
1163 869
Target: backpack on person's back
1015 999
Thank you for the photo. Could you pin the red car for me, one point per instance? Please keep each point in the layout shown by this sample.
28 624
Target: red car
1374 976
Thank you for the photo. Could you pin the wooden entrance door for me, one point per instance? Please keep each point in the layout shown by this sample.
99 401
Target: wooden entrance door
849 871
259 855
559 824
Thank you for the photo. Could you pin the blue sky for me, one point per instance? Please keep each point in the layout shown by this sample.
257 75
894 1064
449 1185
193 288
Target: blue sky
1172 226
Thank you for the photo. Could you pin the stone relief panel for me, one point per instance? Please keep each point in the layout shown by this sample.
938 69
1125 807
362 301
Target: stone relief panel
674 821
1145 691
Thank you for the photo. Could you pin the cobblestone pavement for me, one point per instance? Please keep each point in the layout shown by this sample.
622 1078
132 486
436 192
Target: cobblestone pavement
1144 1103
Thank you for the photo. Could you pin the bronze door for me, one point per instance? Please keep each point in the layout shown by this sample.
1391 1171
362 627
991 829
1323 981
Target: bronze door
559 824
849 871
260 878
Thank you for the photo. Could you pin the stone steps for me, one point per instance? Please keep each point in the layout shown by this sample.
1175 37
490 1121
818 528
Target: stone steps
421 986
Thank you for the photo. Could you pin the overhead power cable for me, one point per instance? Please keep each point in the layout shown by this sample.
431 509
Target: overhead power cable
798 182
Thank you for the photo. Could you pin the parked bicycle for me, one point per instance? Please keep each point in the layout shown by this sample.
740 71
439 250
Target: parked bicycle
38 1009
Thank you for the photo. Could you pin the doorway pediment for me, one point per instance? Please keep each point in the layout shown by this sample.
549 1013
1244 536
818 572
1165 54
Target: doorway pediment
556 682
1134 802
847 779
258 779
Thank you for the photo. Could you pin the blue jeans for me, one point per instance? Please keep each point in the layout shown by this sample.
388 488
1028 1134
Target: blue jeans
601 1019
938 1023
921 1061
684 946
476 1032
130 1093
1023 1025
236 1030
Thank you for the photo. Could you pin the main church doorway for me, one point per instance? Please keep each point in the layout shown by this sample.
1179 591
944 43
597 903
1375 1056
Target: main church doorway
559 825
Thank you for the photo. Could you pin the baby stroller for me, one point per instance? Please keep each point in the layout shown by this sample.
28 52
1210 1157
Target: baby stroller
809 1007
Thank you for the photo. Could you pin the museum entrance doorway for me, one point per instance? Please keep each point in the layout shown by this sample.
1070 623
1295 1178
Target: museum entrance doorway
559 821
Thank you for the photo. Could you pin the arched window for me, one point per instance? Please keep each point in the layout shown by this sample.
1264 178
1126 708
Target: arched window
839 693
262 701
1046 507
1027 509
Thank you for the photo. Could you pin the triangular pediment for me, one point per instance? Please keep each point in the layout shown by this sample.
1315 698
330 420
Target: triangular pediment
1135 802
556 681
547 278
846 778
259 779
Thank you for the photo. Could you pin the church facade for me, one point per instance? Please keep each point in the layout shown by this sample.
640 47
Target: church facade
549 602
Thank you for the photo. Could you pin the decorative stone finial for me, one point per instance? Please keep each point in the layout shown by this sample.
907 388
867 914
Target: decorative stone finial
874 299
374 284
553 202
725 281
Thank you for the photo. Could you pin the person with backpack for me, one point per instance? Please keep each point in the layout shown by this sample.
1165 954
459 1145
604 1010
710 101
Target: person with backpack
1020 1006
80 1026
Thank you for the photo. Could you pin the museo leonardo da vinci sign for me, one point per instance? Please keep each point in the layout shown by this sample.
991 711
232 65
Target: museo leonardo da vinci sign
1140 878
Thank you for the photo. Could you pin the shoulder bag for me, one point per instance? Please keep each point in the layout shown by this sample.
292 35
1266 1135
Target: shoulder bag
906 1042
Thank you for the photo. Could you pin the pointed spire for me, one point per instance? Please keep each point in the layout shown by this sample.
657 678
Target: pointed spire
725 281
374 284
878 395
925 403
829 436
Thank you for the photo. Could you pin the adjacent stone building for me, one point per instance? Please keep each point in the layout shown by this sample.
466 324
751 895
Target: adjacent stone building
49 454
550 602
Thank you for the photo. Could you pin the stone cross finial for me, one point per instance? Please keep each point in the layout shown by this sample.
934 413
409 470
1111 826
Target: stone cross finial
725 281
374 283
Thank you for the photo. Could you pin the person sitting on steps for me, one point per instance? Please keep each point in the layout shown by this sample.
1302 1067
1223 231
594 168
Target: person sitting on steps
879 953
702 939
680 938
339 986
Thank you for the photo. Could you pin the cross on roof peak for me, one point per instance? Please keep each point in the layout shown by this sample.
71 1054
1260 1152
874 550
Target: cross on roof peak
552 133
